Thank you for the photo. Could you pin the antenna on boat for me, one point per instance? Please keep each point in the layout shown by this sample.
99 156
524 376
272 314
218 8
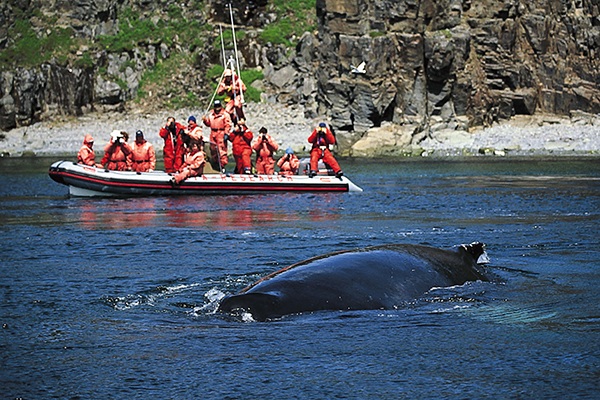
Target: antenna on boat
222 47
235 50
210 104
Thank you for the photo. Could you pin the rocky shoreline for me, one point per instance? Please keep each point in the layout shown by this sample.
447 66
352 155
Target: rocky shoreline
576 135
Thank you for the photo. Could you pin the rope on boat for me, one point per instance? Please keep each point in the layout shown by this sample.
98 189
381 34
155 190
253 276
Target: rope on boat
236 51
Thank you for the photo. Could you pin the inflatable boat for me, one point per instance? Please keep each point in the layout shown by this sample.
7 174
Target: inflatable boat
88 181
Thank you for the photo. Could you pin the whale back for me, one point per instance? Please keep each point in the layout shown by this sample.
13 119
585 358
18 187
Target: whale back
378 277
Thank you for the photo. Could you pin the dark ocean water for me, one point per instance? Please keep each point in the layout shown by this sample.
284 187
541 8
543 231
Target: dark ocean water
115 298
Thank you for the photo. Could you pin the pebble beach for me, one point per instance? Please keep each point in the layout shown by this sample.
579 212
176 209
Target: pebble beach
578 134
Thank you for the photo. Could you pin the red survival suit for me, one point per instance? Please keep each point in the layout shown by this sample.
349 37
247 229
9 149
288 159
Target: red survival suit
86 154
265 146
241 137
142 156
220 124
321 138
174 149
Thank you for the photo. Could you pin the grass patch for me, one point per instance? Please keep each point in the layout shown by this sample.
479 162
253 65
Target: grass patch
85 61
294 18
227 36
29 51
375 34
162 74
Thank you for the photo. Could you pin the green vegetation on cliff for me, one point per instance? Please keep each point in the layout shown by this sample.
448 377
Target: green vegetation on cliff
30 49
182 44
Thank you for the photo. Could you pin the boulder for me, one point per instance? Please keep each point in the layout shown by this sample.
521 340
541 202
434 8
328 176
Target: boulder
384 140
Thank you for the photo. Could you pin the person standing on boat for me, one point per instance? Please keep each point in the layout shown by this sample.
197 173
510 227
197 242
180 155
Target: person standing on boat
116 152
288 164
265 147
174 149
194 131
142 154
193 165
321 138
232 87
220 124
86 155
241 137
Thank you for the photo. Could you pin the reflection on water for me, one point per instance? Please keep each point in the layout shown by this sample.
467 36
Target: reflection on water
228 212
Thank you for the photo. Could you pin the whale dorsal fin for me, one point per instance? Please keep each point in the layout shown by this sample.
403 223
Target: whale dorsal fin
475 249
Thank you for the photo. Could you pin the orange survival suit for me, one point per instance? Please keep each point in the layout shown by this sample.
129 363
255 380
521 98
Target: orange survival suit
220 124
142 154
265 146
86 154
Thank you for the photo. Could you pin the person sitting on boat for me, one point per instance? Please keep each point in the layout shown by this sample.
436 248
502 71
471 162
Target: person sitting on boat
265 147
116 152
232 87
241 137
288 164
142 154
321 138
86 155
174 149
220 124
194 131
193 165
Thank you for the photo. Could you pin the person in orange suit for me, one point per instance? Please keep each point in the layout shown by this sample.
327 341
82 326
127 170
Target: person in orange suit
194 131
220 124
241 137
288 164
193 165
174 149
86 155
232 87
116 152
142 154
265 147
321 138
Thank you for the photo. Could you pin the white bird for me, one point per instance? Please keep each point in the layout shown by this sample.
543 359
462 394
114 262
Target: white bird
360 69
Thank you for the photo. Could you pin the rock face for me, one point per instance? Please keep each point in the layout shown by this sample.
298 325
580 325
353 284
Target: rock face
437 65
429 65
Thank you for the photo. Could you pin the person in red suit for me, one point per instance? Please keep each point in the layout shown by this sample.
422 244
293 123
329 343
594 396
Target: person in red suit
321 138
174 149
265 147
220 124
240 138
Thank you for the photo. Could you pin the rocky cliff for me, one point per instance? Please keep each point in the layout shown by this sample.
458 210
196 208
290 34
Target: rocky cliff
429 65
450 64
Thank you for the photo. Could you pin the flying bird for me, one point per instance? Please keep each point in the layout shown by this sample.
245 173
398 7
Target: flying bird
360 69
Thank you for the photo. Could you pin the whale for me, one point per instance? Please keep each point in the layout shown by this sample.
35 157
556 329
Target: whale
376 277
